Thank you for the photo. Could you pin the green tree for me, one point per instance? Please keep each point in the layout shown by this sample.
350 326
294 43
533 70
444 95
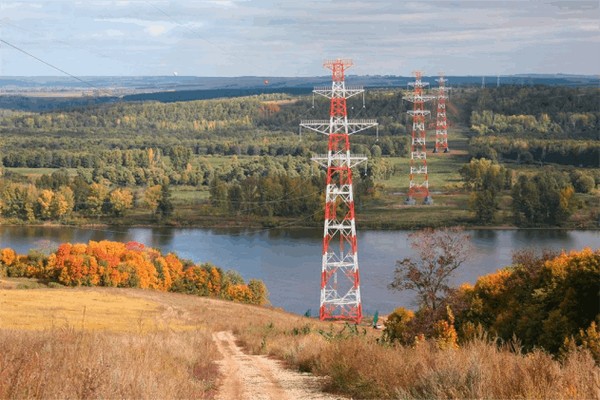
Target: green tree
165 204
152 196
486 179
547 198
260 294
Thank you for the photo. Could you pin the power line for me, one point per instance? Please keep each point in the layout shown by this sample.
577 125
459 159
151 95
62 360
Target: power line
53 66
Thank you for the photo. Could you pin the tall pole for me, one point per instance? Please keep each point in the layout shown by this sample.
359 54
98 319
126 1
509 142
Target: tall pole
340 281
418 177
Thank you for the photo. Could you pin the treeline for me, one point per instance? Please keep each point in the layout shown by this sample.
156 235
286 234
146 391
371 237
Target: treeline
555 101
560 126
547 300
138 151
543 198
265 186
584 153
196 116
130 265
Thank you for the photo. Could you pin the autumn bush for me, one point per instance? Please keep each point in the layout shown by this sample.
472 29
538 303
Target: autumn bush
132 265
544 300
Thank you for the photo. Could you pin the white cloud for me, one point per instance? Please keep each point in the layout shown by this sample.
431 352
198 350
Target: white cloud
156 30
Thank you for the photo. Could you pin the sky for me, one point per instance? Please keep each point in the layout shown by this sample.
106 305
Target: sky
294 37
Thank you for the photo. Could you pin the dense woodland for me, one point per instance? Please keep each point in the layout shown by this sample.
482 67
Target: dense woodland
248 156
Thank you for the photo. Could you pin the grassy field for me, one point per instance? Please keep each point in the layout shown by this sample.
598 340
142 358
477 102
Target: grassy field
35 173
127 343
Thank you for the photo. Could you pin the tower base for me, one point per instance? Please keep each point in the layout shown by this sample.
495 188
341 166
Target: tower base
409 201
446 150
428 201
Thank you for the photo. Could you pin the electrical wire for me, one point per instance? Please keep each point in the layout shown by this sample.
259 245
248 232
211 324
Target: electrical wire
54 67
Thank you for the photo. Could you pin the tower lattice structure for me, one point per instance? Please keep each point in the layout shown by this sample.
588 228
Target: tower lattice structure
418 176
340 281
441 124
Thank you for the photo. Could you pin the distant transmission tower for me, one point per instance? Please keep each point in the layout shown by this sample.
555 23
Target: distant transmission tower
418 177
441 125
340 283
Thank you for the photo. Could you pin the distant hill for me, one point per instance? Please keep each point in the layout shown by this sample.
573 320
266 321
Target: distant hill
39 94
12 84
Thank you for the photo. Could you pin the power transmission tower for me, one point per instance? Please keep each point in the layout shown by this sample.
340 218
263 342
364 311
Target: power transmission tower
340 283
418 177
441 125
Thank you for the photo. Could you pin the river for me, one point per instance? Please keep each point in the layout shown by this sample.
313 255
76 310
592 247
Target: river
289 261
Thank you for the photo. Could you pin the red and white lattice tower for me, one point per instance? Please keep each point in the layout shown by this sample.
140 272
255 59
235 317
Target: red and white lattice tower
418 177
340 282
441 125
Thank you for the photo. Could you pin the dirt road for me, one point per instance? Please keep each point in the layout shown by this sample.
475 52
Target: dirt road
258 377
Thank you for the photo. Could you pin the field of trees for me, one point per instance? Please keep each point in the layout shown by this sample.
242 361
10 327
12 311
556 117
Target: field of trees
520 156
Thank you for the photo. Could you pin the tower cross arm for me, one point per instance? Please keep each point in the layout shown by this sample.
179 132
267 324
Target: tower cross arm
326 127
357 125
418 97
345 92
339 160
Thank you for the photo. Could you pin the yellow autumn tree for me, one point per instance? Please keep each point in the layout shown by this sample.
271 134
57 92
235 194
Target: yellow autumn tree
120 200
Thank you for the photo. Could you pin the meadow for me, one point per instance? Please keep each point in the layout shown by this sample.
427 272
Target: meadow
132 343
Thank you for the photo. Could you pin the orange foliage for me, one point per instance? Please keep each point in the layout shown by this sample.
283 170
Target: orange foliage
240 293
493 284
214 283
574 260
8 256
131 264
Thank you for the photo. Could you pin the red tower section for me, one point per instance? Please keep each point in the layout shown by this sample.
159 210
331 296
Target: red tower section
340 281
418 176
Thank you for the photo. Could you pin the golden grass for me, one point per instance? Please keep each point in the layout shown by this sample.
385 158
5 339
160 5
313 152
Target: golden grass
358 366
91 309
70 364
170 355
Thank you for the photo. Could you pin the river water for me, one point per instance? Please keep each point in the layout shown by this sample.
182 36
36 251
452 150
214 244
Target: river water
289 261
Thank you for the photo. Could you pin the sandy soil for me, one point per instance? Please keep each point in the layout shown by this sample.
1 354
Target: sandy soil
259 377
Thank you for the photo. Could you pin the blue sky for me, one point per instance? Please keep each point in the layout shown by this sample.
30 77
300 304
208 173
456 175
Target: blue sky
292 38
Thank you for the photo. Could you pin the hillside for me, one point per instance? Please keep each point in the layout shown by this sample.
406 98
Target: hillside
241 161
105 343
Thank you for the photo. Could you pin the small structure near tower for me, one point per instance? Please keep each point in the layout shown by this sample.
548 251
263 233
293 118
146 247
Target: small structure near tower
340 282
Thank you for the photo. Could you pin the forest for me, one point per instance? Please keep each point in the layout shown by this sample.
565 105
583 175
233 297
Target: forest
514 150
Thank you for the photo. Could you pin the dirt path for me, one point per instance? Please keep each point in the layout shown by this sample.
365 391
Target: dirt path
258 377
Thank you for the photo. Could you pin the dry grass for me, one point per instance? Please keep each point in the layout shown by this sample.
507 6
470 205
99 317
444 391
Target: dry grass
358 366
170 354
87 309
70 364
103 343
